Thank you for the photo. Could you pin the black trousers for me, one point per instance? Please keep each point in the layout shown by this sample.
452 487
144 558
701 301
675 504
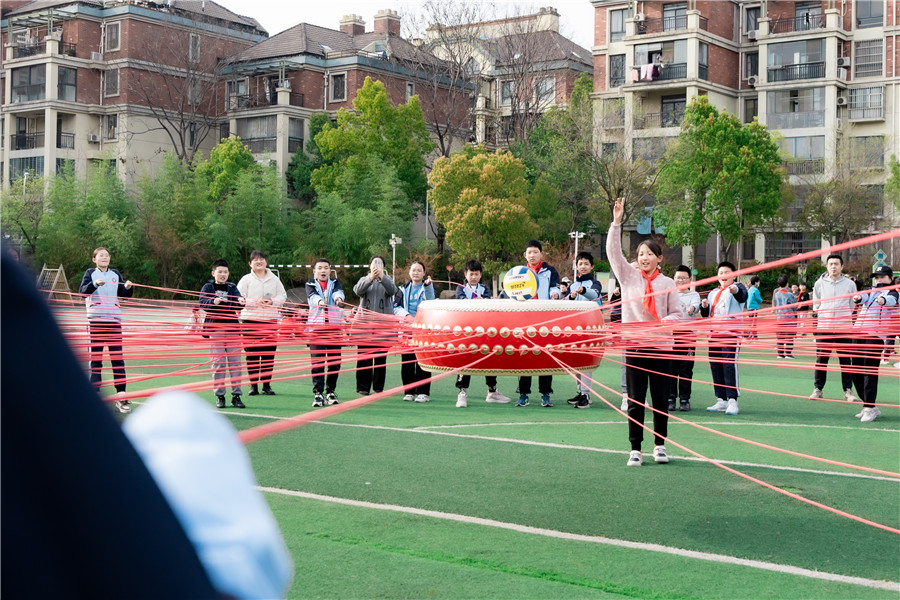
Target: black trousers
545 384
411 374
649 368
107 334
826 343
321 354
682 371
462 381
865 357
371 369
260 344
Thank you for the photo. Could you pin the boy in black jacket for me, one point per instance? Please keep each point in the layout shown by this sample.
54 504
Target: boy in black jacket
222 302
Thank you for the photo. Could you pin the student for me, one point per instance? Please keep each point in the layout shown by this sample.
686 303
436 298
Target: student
406 303
726 306
325 298
564 287
685 343
647 362
103 287
473 289
264 294
784 302
871 327
803 310
376 291
548 289
585 289
754 301
222 302
833 305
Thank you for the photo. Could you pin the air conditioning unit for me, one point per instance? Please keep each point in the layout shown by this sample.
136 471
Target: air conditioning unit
753 80
842 100
96 56
639 17
93 138
843 61
751 35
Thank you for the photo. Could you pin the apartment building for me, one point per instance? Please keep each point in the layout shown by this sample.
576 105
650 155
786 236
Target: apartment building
822 75
118 81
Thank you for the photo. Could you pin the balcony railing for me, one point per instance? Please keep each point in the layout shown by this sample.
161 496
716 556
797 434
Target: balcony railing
26 141
673 71
664 119
811 166
294 144
795 120
801 23
65 140
813 70
29 50
261 144
245 101
68 49
664 24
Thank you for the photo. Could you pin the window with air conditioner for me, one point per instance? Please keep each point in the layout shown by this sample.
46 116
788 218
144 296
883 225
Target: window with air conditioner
752 22
868 58
113 37
338 87
751 64
111 87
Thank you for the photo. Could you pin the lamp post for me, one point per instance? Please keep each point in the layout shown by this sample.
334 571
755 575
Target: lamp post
576 235
395 241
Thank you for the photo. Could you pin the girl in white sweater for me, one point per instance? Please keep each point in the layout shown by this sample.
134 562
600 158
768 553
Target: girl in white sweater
264 295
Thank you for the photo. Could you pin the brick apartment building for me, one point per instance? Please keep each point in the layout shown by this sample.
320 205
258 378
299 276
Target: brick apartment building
121 82
823 75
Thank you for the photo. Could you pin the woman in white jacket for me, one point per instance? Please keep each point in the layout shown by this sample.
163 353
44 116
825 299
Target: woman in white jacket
264 294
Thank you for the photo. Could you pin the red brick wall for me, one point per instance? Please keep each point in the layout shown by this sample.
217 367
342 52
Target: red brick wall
309 83
724 66
600 72
892 56
600 28
892 14
386 25
721 17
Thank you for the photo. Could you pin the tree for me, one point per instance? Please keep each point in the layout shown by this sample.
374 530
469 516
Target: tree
721 176
395 134
226 161
22 205
482 200
892 187
305 161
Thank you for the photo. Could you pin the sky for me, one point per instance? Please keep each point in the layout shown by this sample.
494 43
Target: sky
576 16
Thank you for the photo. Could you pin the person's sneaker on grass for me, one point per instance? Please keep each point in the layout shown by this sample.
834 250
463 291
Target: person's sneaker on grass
462 399
495 397
849 396
719 406
523 400
330 399
635 459
318 400
583 402
545 401
732 408
671 406
684 406
624 406
267 390
409 397
422 398
817 393
220 401
123 406
574 399
236 402
254 390
659 455
869 414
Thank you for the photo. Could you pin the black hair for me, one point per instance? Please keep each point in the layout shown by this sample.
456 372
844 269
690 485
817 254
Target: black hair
653 246
257 254
754 280
683 269
782 280
585 255
417 262
220 262
379 257
534 244
725 263
322 260
837 256
474 265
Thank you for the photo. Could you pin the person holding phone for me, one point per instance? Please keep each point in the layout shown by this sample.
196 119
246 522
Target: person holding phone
376 292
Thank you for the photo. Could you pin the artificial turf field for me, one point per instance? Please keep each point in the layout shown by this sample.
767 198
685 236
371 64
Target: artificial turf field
402 500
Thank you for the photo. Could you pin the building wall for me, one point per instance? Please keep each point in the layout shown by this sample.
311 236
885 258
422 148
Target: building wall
724 66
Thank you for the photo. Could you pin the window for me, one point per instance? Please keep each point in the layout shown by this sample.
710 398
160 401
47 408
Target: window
295 135
672 111
616 70
225 130
112 37
867 103
112 83
410 90
65 166
796 60
649 149
751 64
674 16
192 134
507 91
703 60
807 15
867 152
614 112
66 85
33 164
751 109
338 88
472 67
804 148
546 90
258 133
112 126
610 149
194 49
868 58
29 83
869 13
753 19
616 25
238 86
674 52
792 109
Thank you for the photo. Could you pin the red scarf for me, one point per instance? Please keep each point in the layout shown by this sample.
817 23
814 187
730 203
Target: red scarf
649 298
537 269
712 307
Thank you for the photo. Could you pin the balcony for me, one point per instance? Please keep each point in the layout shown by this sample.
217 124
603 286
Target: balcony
666 72
26 141
65 141
801 23
664 119
261 145
795 120
810 166
247 101
666 24
26 50
813 70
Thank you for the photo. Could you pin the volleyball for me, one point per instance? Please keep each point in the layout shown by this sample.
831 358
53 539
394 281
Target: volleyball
520 283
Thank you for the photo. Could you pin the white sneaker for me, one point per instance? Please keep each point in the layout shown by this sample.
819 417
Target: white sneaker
719 406
885 361
635 459
817 393
849 397
123 406
732 407
869 413
422 398
408 398
496 398
659 454
624 403
462 399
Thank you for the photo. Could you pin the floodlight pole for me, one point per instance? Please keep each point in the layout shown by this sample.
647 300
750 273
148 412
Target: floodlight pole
576 235
395 241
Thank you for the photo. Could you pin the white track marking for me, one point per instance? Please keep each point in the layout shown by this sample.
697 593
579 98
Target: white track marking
671 423
592 539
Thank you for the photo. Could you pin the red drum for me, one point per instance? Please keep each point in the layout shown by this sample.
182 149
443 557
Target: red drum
512 337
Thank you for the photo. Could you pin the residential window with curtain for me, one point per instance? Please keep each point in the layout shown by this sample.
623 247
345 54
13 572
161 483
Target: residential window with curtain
67 83
259 134
29 83
338 88
295 135
753 18
751 109
113 39
112 127
869 13
795 109
703 61
751 64
617 25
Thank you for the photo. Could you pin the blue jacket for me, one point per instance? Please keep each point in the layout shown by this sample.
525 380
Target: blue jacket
874 318
102 302
403 296
754 300
318 314
467 292
781 298
593 290
727 304
548 282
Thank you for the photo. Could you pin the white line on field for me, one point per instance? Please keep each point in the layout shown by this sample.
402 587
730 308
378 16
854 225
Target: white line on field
719 558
